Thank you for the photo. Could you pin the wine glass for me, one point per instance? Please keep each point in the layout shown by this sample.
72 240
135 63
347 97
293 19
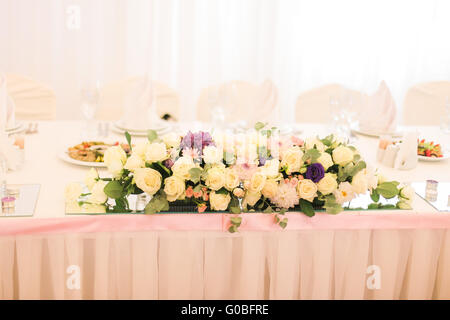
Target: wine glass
90 96
445 121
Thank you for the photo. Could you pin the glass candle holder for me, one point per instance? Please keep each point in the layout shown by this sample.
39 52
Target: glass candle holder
431 185
8 204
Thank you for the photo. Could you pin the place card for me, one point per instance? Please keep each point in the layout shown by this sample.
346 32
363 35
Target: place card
25 200
436 194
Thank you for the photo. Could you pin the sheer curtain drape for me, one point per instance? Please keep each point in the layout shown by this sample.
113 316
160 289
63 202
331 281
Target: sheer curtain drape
190 44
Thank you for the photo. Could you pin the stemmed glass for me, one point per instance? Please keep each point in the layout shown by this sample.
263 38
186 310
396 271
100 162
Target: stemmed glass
445 122
90 97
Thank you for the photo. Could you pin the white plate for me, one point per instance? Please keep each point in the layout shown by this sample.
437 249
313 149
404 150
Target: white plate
119 124
139 133
63 155
434 159
396 134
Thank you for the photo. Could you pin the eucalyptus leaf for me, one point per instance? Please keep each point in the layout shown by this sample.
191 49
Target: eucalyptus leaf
152 135
259 125
128 137
375 196
236 221
307 208
114 189
387 189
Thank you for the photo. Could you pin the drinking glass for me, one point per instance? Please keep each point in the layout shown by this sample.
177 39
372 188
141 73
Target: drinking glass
90 96
445 121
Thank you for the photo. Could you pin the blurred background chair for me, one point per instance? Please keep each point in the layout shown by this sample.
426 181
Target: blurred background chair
112 100
316 105
32 100
424 103
239 101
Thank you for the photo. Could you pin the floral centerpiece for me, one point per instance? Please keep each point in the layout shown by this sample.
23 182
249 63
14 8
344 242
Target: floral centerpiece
258 171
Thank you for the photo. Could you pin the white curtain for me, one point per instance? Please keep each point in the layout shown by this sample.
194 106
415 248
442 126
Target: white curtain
190 44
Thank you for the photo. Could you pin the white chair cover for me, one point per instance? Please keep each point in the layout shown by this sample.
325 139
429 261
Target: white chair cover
425 103
314 105
112 99
32 100
241 100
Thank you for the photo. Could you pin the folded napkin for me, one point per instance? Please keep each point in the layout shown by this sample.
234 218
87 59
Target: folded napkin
378 115
140 106
7 108
407 154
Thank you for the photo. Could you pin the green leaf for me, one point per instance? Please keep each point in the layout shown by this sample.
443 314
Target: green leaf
387 189
235 210
152 135
236 221
373 206
358 167
331 206
356 158
311 154
198 188
195 174
222 191
387 206
283 223
259 125
128 137
375 196
232 229
282 211
114 190
157 204
268 210
307 208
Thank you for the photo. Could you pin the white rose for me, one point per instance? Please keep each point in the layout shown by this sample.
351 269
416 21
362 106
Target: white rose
272 168
174 187
182 166
98 195
73 191
148 180
134 162
93 208
257 182
211 154
327 184
219 202
114 159
342 155
216 178
405 205
140 148
407 193
344 193
325 160
307 189
115 167
270 188
313 141
292 159
360 183
172 140
73 207
238 192
155 152
251 198
91 178
231 179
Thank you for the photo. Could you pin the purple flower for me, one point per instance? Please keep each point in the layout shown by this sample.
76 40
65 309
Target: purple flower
168 163
315 172
198 141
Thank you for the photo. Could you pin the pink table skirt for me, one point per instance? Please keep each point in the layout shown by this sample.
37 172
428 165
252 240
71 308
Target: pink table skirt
193 257
220 222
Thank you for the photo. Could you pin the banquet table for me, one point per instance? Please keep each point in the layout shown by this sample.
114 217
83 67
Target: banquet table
192 256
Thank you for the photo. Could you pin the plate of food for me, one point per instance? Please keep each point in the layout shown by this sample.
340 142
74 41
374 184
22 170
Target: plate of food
429 151
89 153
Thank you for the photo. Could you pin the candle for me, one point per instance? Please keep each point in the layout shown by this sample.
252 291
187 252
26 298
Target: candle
8 204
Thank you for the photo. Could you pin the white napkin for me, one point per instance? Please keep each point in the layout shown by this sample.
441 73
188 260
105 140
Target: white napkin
407 154
140 105
379 114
